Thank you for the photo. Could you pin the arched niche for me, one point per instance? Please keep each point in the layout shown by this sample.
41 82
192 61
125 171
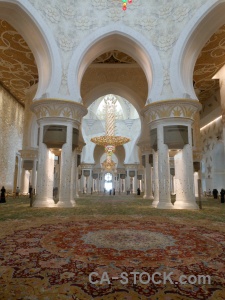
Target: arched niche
29 24
118 157
117 89
192 39
124 39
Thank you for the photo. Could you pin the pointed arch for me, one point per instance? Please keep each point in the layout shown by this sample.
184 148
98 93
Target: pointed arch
117 89
26 20
122 38
192 39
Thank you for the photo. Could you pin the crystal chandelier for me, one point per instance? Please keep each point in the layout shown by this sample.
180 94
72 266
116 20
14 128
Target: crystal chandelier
124 5
109 141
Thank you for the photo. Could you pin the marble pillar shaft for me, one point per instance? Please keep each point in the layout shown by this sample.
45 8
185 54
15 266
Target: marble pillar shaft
156 179
45 176
148 179
65 188
163 171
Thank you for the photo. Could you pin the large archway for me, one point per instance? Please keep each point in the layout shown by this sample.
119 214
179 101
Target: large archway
25 19
122 38
189 45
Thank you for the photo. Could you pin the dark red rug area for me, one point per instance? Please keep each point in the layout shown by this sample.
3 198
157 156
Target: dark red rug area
113 260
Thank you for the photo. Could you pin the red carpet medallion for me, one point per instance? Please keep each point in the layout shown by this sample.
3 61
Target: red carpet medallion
55 261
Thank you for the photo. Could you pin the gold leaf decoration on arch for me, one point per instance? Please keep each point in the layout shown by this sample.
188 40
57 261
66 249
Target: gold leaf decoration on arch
18 67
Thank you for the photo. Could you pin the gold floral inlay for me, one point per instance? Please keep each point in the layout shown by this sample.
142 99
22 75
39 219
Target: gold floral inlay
18 68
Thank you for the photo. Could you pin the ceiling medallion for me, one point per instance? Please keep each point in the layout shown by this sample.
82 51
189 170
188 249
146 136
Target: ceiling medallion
124 6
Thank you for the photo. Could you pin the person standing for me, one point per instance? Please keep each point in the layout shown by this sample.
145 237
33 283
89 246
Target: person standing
3 190
215 193
222 194
17 192
30 191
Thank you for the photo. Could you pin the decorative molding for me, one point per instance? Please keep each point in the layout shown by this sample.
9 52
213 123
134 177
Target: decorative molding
175 108
197 156
18 67
80 147
131 166
58 108
29 154
86 166
145 147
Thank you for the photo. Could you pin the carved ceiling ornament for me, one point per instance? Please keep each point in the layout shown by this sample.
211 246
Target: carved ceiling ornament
179 108
59 108
71 21
114 56
18 68
210 60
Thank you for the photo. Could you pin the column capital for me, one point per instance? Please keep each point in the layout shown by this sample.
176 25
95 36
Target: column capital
145 147
59 108
29 154
174 108
197 156
131 166
79 148
87 166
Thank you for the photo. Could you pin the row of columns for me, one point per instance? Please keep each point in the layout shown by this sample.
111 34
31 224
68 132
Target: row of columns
158 115
94 182
67 116
168 133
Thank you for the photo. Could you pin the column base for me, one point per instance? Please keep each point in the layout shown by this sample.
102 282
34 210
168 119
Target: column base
185 205
155 203
148 197
47 202
66 203
164 205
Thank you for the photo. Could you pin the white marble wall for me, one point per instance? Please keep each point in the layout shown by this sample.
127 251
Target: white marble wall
11 124
212 169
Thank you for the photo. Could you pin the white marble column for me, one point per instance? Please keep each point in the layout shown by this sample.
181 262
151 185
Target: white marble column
120 184
89 183
65 188
74 174
82 182
156 179
34 176
22 185
97 184
148 179
163 171
127 182
45 175
185 198
102 181
196 183
135 182
172 184
19 173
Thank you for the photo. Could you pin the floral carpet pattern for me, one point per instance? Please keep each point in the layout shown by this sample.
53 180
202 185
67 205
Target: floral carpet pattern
54 261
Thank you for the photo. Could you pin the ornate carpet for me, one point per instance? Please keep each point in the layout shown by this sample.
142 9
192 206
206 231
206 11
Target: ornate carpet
54 261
